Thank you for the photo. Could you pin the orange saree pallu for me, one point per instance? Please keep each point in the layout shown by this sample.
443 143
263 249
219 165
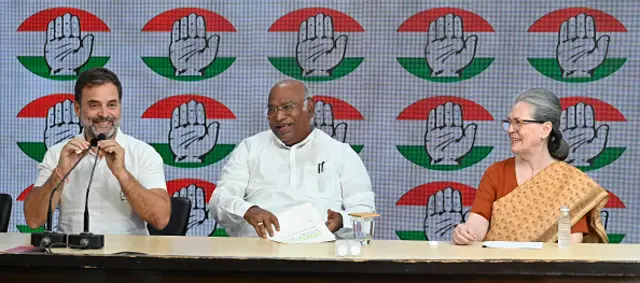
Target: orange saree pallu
530 212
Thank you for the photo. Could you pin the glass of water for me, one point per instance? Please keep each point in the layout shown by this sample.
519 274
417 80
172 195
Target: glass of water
363 226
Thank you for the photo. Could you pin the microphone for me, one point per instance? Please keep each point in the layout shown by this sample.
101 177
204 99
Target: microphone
87 240
48 237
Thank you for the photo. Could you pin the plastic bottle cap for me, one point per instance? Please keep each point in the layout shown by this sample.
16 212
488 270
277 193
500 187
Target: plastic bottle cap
355 249
342 251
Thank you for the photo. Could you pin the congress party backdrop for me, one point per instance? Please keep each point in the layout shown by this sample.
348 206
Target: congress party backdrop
417 88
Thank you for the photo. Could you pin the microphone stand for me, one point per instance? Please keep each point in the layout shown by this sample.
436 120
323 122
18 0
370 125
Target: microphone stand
48 237
87 240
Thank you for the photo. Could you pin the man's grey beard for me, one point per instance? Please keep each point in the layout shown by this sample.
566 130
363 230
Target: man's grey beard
92 133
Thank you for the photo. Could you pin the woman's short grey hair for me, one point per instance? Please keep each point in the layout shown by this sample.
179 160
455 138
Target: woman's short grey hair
546 107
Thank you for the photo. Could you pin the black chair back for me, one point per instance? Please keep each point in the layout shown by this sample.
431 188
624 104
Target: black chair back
180 210
5 211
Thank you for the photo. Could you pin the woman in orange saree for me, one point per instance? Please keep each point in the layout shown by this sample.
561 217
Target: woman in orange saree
519 198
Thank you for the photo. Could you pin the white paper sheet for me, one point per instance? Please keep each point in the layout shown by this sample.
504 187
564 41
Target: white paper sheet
512 245
301 224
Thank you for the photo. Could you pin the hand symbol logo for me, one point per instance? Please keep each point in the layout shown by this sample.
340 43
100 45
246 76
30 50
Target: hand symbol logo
190 137
62 123
317 52
446 140
323 119
199 212
447 51
444 211
65 51
190 51
578 52
586 142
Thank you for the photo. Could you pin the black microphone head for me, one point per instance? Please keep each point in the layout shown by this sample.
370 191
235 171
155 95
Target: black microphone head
101 137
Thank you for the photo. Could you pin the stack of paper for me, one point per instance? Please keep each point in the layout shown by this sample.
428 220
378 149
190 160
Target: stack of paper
301 224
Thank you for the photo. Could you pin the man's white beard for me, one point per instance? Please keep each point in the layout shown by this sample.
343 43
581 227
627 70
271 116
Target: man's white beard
92 132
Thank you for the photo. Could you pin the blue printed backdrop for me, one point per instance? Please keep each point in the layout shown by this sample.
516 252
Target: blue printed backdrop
379 68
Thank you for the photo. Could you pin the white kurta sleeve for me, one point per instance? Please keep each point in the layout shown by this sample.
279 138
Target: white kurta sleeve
227 204
357 194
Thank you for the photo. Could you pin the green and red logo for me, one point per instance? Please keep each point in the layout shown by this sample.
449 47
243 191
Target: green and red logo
68 35
334 116
447 140
199 193
578 51
586 124
193 48
60 123
322 44
445 204
193 139
449 54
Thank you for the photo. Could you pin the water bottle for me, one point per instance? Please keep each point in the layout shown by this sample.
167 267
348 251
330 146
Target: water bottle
564 228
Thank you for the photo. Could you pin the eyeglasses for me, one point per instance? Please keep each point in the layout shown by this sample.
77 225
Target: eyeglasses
517 123
286 108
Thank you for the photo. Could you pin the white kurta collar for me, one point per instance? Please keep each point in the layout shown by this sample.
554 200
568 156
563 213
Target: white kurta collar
311 137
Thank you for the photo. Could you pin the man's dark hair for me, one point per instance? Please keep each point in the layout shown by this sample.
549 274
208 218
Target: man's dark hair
95 77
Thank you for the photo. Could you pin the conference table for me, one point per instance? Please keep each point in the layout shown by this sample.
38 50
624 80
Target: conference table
202 259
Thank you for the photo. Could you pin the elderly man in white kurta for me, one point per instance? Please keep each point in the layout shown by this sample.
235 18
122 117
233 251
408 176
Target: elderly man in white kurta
290 164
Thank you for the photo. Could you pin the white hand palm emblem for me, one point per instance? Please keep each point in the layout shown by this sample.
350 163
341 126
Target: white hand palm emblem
578 52
62 123
65 51
190 51
199 212
446 141
586 142
323 119
447 51
444 212
190 137
317 52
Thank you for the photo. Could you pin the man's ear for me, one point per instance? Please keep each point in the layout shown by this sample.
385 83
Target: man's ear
76 108
311 107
